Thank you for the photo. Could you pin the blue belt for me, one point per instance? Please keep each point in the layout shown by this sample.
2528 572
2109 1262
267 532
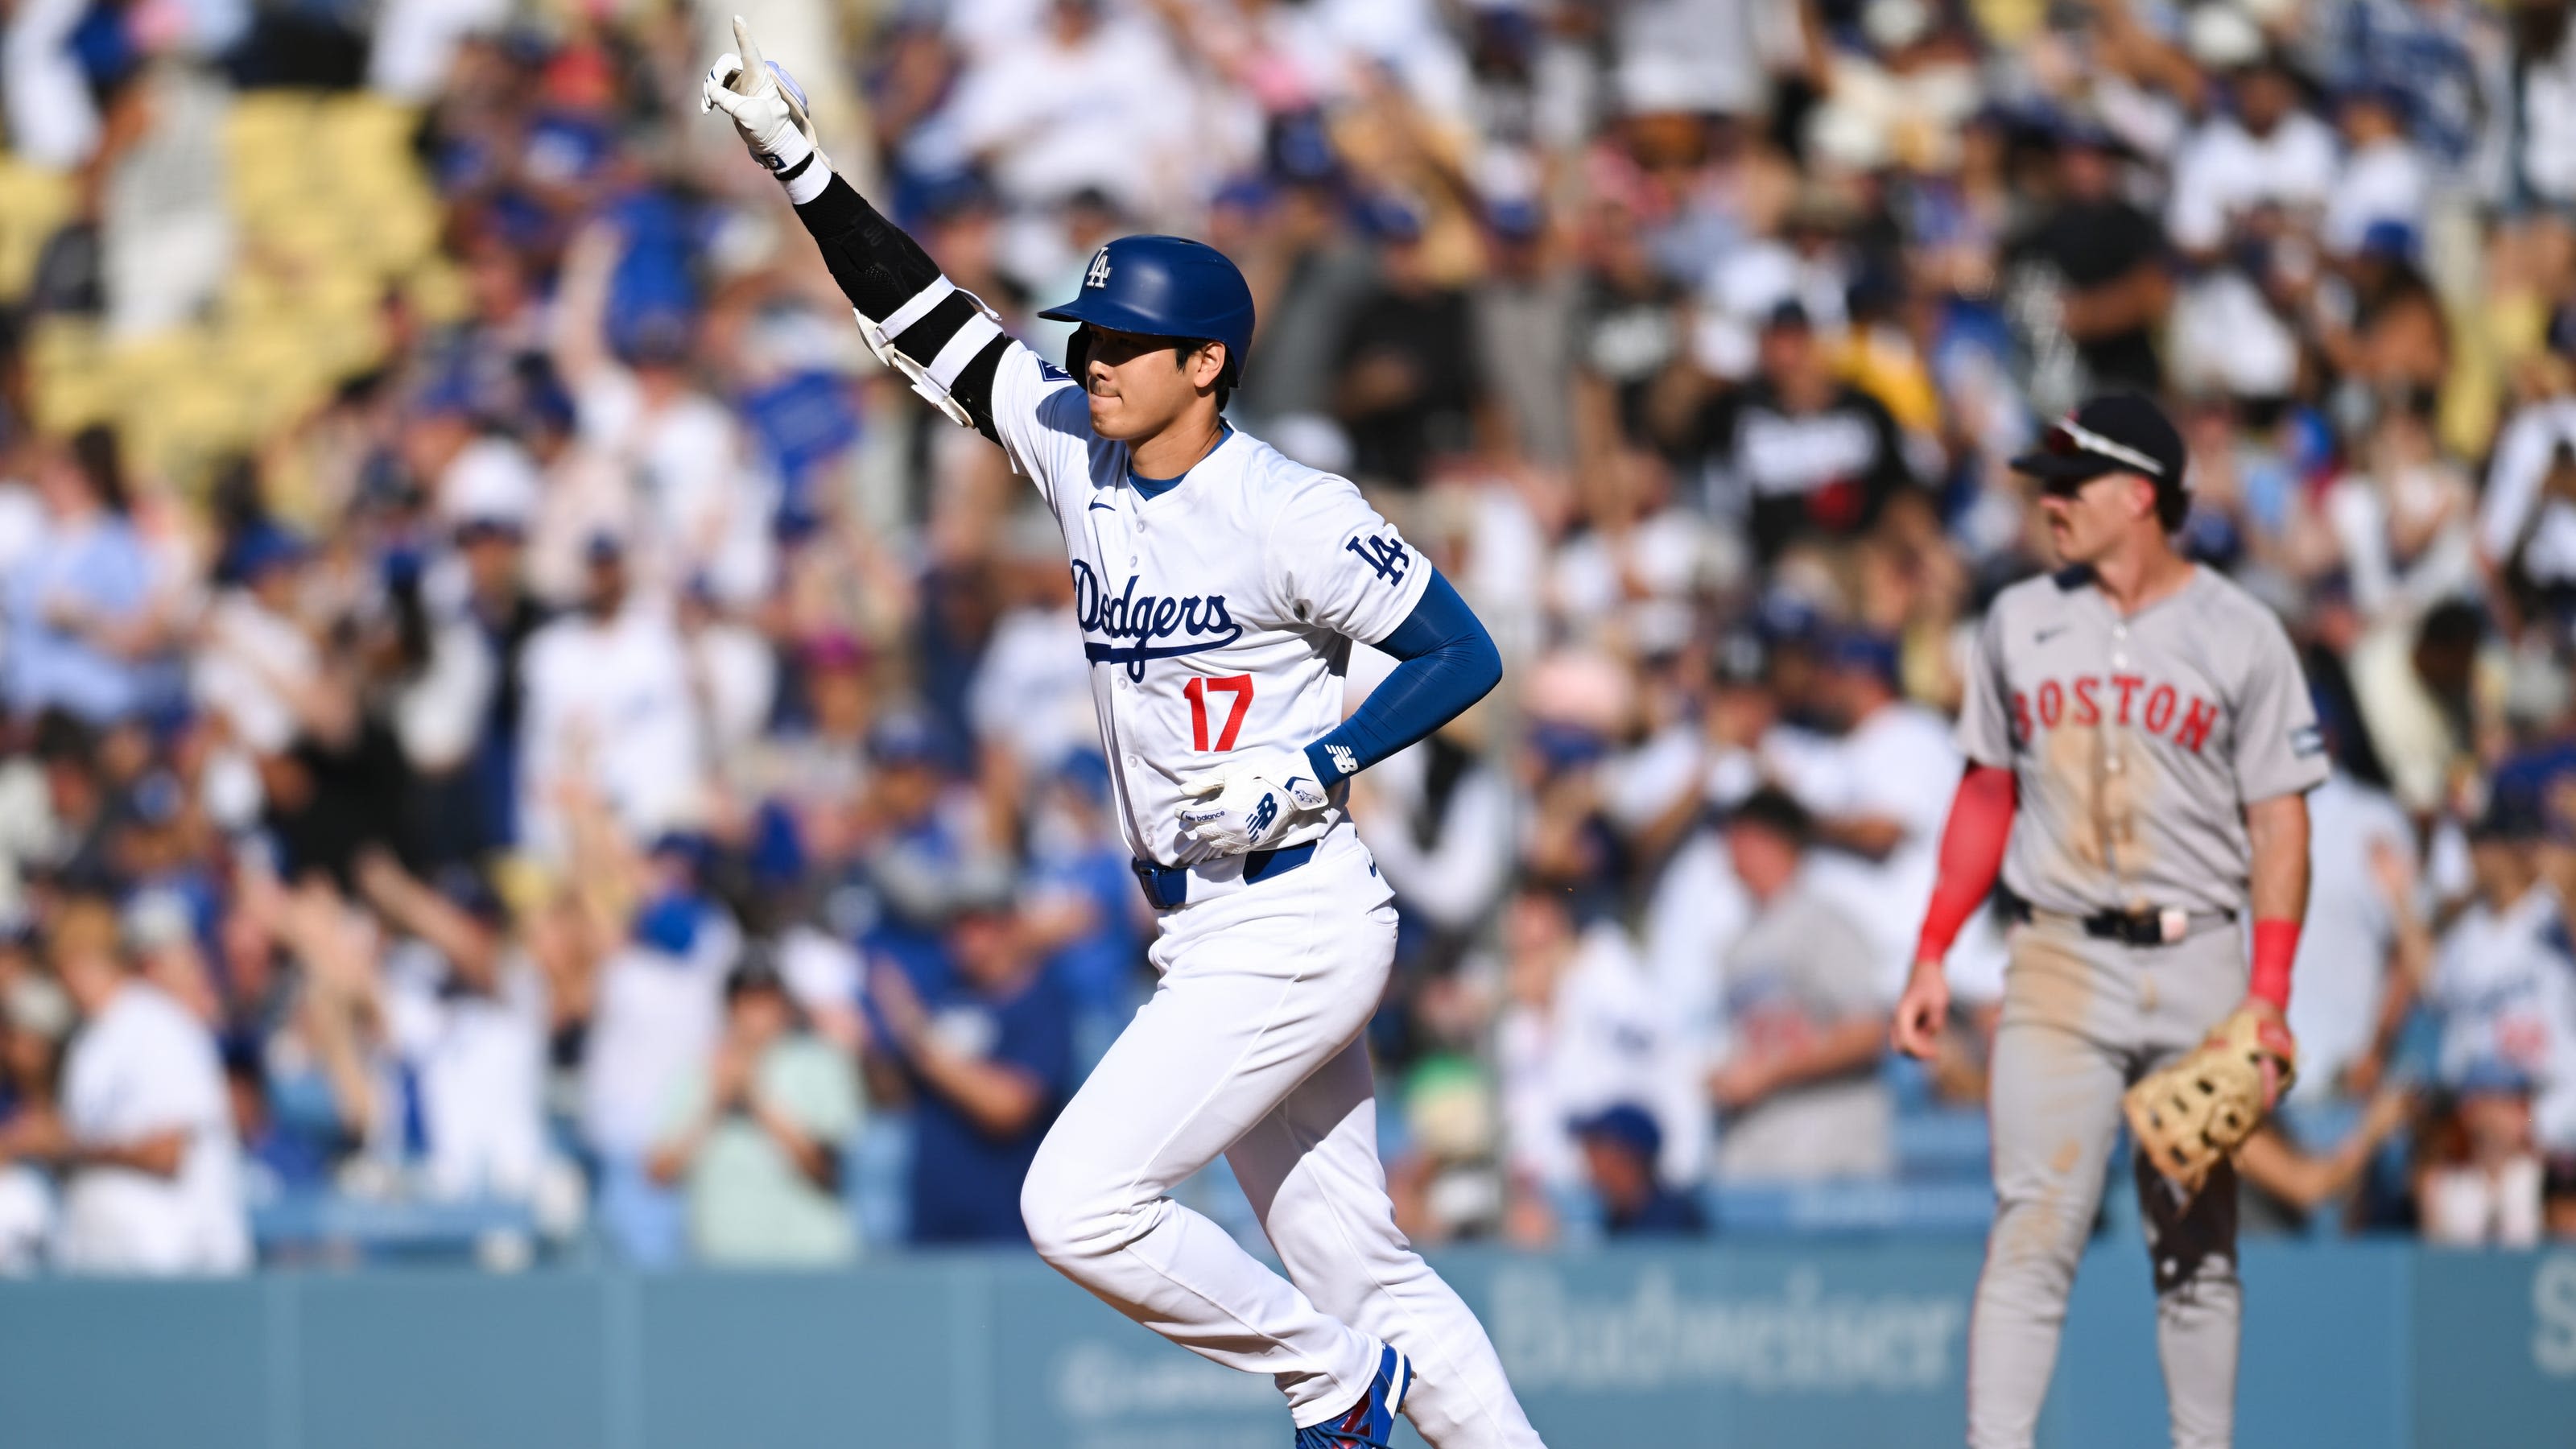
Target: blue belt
1167 887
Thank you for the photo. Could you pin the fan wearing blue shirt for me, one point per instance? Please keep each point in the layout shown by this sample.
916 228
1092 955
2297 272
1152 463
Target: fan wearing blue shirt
987 1057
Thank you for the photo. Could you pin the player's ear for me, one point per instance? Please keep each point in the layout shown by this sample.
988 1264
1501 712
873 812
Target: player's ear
1206 364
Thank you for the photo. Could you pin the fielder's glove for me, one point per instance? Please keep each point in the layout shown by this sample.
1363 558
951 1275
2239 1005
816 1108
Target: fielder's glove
767 106
1250 802
2195 1113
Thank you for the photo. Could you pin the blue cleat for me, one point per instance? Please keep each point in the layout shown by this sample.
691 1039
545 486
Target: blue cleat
1371 1422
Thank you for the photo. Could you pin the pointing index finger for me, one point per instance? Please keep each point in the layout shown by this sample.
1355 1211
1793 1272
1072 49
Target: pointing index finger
755 72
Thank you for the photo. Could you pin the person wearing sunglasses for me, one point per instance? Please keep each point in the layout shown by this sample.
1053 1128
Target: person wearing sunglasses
2140 745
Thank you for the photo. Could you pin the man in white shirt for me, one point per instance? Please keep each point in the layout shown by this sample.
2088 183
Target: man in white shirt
2383 177
1878 794
2353 968
1079 102
609 706
144 1138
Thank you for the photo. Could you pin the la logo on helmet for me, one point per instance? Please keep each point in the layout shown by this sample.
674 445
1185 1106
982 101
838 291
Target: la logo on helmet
1098 275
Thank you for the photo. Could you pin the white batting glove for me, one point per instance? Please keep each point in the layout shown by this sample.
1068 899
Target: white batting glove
1249 802
766 105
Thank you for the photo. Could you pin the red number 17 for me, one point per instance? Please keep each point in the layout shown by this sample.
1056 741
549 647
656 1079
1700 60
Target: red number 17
1199 688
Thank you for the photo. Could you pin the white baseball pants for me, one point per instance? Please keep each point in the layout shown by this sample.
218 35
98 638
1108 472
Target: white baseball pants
1251 1047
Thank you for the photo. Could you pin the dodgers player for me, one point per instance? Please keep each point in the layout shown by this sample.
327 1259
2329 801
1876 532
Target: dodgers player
2140 744
1219 587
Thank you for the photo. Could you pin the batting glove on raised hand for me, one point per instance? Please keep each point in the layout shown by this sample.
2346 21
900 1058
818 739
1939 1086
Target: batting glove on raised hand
767 106
1249 803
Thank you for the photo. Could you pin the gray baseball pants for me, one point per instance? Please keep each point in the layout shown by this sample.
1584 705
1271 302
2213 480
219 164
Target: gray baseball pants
2083 1019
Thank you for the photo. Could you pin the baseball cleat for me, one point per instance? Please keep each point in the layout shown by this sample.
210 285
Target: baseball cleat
1371 1422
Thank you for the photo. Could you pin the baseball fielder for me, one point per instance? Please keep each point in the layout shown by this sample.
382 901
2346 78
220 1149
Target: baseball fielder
2140 744
1218 587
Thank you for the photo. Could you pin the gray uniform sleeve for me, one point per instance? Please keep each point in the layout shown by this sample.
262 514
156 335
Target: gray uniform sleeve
2279 750
1985 711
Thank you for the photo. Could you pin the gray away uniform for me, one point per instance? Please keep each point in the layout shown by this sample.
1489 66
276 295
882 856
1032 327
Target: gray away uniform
2135 744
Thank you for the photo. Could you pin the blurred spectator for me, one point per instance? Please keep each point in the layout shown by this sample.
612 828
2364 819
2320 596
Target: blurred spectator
755 1135
609 711
986 1061
144 1133
2367 945
34 1017
2504 990
2527 520
2088 283
1796 1079
1408 378
2482 1181
658 1014
1797 452
1581 1030
1621 1145
1877 795
83 604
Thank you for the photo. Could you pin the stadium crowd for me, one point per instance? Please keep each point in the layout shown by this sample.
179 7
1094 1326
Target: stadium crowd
613 774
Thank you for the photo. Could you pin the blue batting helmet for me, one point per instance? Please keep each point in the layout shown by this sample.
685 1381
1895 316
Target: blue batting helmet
1165 286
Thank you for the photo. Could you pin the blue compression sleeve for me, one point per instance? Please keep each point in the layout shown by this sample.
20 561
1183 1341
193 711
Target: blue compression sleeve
1449 663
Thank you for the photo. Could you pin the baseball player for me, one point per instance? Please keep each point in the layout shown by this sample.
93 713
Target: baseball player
1218 586
2140 744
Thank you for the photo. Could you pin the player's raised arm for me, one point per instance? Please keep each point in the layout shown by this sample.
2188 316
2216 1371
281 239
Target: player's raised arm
943 340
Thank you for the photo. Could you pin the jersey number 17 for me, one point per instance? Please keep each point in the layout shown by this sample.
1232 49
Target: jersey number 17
1199 688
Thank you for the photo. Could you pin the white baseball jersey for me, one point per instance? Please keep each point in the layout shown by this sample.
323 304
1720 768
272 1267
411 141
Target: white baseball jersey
1218 613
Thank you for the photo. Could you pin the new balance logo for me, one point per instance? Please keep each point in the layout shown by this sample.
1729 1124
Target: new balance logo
1098 274
1262 815
1384 555
1343 762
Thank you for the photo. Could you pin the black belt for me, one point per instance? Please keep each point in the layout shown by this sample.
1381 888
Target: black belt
2150 927
1167 887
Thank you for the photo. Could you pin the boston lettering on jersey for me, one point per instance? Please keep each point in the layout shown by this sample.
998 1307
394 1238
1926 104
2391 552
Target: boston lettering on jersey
1200 621
2127 700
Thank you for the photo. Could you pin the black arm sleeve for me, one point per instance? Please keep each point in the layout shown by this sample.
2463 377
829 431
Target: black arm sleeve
879 269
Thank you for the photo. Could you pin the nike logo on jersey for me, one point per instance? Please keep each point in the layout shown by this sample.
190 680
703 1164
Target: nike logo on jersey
1145 619
1111 507
2044 635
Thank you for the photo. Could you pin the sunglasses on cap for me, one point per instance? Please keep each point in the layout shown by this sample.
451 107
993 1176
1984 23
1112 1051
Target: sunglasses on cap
2068 438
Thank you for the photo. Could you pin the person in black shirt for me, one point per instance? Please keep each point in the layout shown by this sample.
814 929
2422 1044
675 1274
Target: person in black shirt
1406 383
1798 452
2091 270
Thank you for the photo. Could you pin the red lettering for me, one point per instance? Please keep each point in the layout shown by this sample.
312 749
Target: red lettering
2052 703
2021 716
2196 724
2160 709
2088 705
2127 684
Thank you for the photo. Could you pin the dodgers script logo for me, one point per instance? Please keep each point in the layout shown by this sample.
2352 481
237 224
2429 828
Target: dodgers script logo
1201 621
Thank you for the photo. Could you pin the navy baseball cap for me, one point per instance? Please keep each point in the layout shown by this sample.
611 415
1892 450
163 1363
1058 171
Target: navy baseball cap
1625 1124
1863 651
2124 432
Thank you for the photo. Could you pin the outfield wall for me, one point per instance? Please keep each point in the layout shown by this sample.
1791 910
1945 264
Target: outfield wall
2361 1346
